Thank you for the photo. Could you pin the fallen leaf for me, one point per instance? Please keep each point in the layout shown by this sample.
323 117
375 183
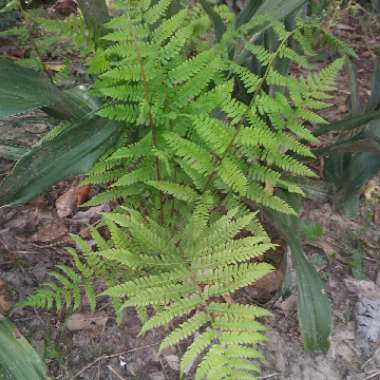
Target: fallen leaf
343 108
5 305
369 190
50 233
39 202
67 203
77 322
264 288
83 193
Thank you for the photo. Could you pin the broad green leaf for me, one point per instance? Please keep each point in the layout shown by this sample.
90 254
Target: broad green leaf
18 359
314 311
71 153
11 152
23 89
247 12
349 123
279 9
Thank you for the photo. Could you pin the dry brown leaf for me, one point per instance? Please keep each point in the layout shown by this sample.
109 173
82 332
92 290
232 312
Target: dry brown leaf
5 305
343 108
264 288
66 204
50 233
77 322
83 194
369 190
39 202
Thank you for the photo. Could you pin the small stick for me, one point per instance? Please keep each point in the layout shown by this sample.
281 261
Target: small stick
115 373
371 376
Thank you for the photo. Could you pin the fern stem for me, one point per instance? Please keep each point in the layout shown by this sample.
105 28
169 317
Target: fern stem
152 126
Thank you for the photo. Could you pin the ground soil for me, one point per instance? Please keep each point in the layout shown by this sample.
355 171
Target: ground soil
33 237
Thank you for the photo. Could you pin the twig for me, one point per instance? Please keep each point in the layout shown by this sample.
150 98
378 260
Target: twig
115 373
268 376
371 376
370 359
105 357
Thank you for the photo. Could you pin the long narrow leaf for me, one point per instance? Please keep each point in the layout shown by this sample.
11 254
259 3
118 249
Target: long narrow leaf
349 123
71 153
314 311
374 99
18 359
23 89
11 152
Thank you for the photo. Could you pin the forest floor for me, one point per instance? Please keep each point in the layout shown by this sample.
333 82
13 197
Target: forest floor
92 347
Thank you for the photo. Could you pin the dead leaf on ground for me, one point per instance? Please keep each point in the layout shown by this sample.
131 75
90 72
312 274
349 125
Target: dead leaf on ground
83 194
39 202
66 204
5 305
264 288
343 108
50 233
77 322
369 190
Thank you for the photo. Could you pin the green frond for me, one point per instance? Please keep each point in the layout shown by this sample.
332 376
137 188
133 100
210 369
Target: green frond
154 13
196 348
181 192
185 330
232 175
197 157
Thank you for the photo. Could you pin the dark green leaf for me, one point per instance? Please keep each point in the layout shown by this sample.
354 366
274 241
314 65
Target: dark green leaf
12 152
349 123
18 359
279 9
247 12
71 153
23 89
355 104
314 312
311 230
374 99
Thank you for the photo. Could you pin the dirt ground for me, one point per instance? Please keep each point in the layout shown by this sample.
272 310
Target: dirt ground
92 347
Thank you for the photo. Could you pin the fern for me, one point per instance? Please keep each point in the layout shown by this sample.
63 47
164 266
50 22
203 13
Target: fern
189 287
204 137
68 287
